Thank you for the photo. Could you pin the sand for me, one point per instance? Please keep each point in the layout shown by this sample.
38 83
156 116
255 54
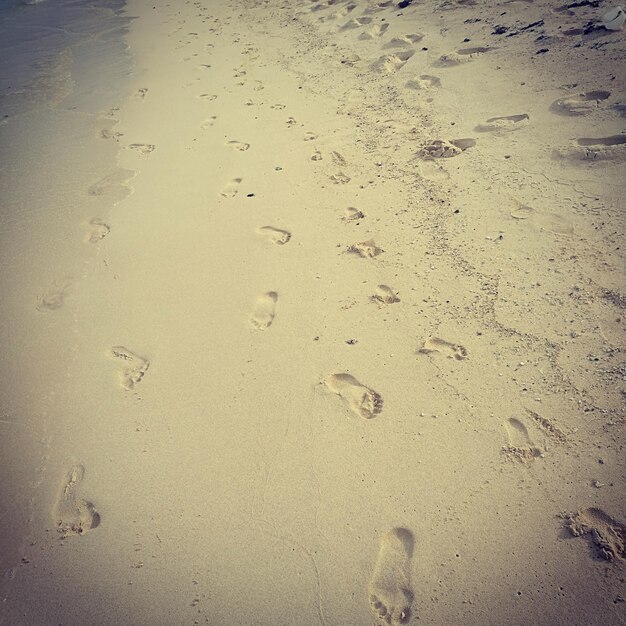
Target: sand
322 322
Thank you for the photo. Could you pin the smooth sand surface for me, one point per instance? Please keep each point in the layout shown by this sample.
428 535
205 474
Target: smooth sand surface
339 337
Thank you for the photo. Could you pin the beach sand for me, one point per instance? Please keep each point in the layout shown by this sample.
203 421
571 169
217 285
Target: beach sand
322 322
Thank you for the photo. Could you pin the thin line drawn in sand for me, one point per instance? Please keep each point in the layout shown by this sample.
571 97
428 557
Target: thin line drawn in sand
71 514
366 249
579 104
437 345
362 401
275 235
445 149
134 368
264 310
606 535
520 446
54 298
390 590
99 231
231 189
503 124
384 295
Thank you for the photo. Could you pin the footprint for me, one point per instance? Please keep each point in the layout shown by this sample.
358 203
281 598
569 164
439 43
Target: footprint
53 299
451 350
231 189
611 148
73 515
607 535
367 249
520 445
362 400
264 310
278 107
100 230
208 96
425 81
340 178
275 235
544 220
140 93
390 592
445 149
135 367
356 22
142 148
463 55
239 145
503 124
316 156
391 63
580 104
209 122
352 214
350 60
385 295
117 181
374 32
432 170
406 41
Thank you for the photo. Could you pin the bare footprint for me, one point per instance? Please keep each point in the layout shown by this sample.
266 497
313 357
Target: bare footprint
99 231
597 149
580 104
390 592
231 189
441 148
607 535
142 148
239 145
316 156
264 310
366 249
340 178
374 32
385 295
503 124
140 93
463 55
352 214
432 170
356 22
53 299
275 235
114 183
520 445
134 368
209 122
451 350
424 81
73 515
405 41
362 400
544 220
391 63
208 96
310 136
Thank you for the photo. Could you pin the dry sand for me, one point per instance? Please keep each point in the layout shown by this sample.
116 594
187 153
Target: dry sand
340 339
